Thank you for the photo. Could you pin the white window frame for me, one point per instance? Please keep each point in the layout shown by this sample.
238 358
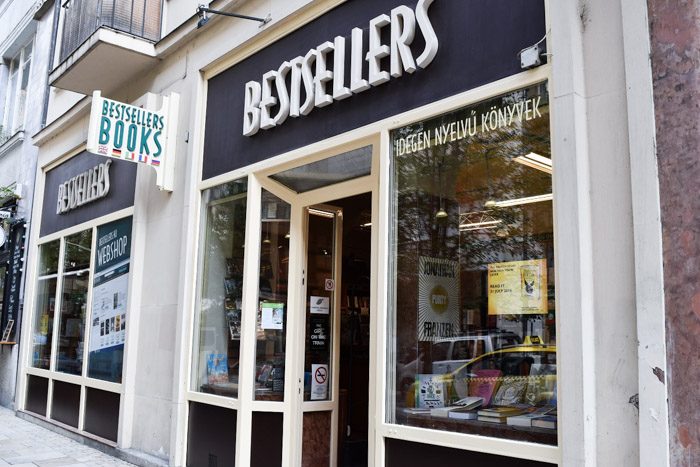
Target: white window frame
12 119
82 380
257 173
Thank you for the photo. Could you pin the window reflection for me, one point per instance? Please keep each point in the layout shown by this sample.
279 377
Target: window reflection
217 345
474 314
42 330
76 280
271 328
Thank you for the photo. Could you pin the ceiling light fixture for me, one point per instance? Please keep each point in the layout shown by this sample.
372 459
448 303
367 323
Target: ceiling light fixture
480 225
318 212
535 161
520 201
202 11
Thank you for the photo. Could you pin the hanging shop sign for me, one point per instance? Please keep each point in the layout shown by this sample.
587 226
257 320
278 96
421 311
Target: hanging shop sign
321 86
136 134
438 298
518 287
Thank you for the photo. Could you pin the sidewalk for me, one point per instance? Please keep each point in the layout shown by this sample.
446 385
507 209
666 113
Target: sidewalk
24 444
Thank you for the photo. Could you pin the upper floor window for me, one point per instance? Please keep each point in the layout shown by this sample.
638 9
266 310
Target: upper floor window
19 67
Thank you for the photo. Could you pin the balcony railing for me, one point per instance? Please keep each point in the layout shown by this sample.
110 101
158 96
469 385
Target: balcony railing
82 18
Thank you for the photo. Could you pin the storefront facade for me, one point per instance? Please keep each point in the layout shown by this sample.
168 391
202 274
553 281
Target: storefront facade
381 213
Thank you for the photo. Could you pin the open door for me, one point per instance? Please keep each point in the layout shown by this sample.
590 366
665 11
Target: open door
322 325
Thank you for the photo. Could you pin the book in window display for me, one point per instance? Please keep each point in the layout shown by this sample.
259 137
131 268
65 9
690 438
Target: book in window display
217 368
430 391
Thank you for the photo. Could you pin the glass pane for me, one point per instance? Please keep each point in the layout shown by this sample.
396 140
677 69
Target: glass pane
217 344
48 258
43 323
24 83
76 280
11 93
319 305
347 166
42 330
77 254
272 299
110 295
474 314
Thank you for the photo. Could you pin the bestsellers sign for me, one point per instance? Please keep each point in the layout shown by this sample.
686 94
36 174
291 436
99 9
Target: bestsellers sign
135 134
313 85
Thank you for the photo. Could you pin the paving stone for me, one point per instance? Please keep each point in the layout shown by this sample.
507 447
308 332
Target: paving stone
25 444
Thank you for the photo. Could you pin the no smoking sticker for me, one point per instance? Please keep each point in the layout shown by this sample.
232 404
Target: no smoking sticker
319 382
330 285
321 375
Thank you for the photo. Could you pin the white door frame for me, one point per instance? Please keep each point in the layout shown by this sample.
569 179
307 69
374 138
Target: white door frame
294 406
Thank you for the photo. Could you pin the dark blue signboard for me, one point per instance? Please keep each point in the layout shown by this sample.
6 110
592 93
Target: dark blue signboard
110 295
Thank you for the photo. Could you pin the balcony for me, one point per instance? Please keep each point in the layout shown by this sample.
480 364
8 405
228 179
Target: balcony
106 43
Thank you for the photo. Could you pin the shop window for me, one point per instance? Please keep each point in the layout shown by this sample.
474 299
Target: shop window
45 305
107 313
76 281
217 344
272 299
473 344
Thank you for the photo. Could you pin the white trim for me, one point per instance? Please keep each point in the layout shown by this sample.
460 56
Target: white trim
106 219
376 134
649 279
501 447
188 299
25 361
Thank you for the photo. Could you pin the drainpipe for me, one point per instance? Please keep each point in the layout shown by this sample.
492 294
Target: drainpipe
52 53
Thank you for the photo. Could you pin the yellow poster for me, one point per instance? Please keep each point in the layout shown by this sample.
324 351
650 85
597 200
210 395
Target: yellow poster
518 287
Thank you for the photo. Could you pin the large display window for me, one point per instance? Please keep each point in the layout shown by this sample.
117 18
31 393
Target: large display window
218 340
473 344
91 311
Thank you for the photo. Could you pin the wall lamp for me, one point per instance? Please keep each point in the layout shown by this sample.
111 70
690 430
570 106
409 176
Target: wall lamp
202 11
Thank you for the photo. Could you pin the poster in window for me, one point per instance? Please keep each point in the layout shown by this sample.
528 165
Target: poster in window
109 300
438 298
518 287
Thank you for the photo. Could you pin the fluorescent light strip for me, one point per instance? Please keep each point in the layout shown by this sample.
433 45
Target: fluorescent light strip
480 225
317 212
535 161
520 201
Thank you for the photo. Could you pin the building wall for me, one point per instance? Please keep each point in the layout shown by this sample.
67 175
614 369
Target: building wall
591 147
156 359
18 165
675 46
597 349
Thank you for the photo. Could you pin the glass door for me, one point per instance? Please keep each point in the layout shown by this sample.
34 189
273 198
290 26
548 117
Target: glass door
320 395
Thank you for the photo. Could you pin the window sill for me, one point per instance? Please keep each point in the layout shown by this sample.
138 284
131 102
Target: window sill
11 142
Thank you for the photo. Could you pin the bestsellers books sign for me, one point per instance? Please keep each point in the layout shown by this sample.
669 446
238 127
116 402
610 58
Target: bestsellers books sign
136 134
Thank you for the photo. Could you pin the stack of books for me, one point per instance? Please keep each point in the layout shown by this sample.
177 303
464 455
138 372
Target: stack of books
528 418
463 409
498 414
548 421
